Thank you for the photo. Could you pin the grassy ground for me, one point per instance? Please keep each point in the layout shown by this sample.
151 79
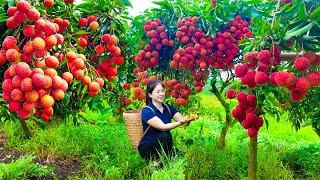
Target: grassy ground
101 150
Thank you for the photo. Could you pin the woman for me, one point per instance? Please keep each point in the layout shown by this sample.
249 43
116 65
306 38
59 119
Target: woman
156 122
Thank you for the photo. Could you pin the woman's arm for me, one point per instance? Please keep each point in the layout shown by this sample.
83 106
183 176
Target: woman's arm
158 124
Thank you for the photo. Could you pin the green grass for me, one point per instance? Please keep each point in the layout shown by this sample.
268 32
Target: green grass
105 152
24 168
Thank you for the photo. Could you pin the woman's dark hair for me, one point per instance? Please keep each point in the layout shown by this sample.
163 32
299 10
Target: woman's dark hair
150 87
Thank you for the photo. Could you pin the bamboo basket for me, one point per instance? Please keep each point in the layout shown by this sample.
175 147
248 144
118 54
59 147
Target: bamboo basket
134 127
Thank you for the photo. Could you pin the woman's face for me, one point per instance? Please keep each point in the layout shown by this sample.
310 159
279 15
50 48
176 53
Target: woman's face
158 93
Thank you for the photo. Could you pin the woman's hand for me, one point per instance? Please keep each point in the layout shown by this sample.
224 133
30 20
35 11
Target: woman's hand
190 118
193 117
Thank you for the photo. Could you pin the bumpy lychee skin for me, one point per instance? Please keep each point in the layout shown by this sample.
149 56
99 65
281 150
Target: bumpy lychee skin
60 38
3 58
301 64
83 22
57 82
23 70
51 72
272 78
11 10
261 78
29 31
94 25
242 97
48 3
58 94
23 6
264 56
7 85
47 101
94 87
14 106
28 48
13 55
16 81
26 84
9 43
181 101
296 95
52 62
86 80
39 44
17 94
263 68
252 132
313 78
33 14
28 106
32 96
67 76
302 84
100 81
241 70
37 70
11 23
252 100
23 114
231 93
285 79
38 80
51 41
19 17
48 82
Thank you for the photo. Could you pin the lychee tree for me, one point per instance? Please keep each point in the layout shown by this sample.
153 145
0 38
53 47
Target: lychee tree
279 81
54 64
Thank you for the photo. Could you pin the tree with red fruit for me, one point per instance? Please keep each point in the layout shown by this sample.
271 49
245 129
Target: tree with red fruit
46 67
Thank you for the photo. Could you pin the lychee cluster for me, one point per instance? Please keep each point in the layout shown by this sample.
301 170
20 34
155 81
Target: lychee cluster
149 56
32 90
76 62
238 28
198 46
225 43
225 49
90 21
20 13
107 67
62 23
180 91
256 67
247 112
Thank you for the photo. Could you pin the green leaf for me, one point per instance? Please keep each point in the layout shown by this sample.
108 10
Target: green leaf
126 3
315 15
298 32
303 12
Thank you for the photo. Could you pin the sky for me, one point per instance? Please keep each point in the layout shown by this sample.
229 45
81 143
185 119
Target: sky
139 6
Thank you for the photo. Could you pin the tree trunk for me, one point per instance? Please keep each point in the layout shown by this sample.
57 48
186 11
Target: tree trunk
25 128
223 134
222 139
252 168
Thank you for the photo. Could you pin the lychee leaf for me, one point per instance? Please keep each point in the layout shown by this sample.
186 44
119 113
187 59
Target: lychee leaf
298 32
315 15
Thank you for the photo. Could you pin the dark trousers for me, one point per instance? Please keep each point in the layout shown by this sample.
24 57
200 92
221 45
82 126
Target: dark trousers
151 150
